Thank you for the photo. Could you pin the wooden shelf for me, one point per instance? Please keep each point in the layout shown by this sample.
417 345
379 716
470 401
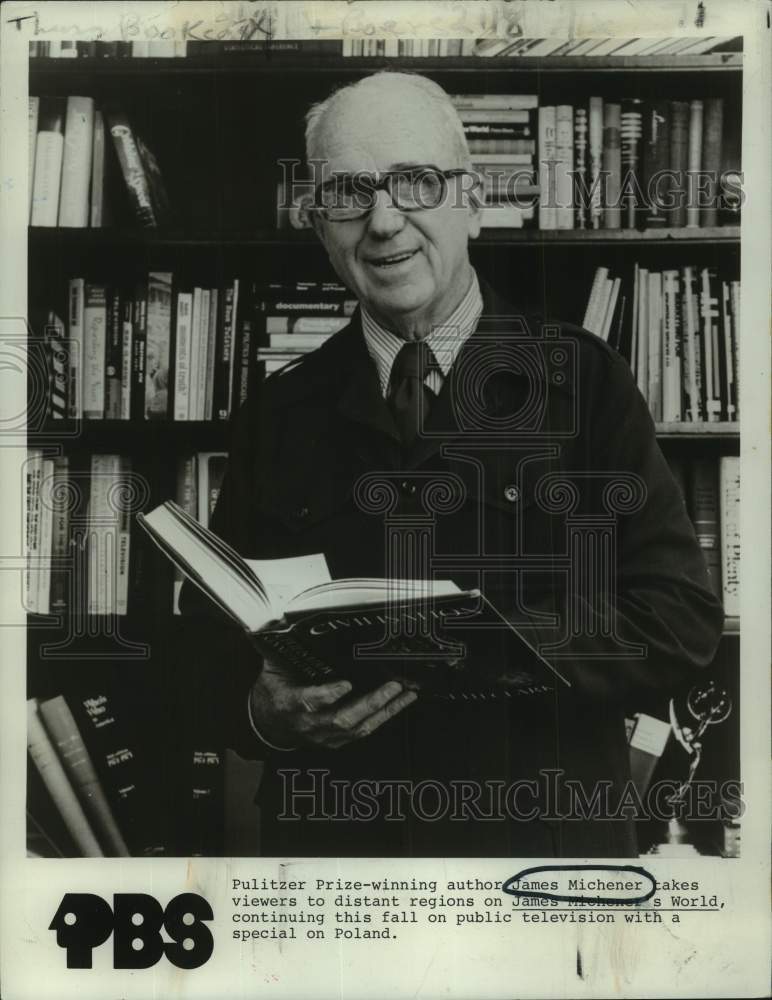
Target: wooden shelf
42 237
729 430
284 63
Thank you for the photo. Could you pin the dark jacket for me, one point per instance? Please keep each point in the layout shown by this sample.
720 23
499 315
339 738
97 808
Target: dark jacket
569 520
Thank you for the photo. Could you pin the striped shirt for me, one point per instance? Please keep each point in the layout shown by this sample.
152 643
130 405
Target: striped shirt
445 340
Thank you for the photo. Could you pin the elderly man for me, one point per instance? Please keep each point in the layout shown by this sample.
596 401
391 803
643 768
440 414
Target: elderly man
546 432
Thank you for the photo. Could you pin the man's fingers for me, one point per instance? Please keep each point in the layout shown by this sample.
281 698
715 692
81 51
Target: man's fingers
311 699
388 711
353 715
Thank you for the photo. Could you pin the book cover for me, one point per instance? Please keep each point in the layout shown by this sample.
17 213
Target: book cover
729 474
75 320
429 634
224 364
158 344
58 358
186 497
210 466
77 763
50 768
74 202
47 833
49 153
156 186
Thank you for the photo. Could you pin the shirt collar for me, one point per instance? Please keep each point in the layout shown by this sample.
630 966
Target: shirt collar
445 340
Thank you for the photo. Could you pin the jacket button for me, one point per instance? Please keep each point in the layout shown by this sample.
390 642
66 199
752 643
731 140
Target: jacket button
302 513
511 493
407 488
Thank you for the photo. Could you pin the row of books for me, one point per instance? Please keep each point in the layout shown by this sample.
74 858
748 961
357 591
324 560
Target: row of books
158 352
78 534
85 782
679 329
711 491
70 160
388 47
80 523
638 164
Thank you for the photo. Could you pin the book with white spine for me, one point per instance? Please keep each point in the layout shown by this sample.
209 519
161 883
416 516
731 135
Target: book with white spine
74 206
729 499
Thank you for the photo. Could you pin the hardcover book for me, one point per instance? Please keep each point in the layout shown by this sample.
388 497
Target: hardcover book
430 635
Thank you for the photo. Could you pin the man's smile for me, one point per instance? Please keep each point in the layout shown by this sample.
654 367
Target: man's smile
387 261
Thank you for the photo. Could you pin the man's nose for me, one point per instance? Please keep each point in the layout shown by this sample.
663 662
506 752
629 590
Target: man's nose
384 219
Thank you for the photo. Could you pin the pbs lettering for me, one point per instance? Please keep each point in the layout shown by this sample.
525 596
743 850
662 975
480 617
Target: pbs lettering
85 921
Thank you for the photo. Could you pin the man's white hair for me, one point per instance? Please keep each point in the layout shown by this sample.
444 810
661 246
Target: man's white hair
427 90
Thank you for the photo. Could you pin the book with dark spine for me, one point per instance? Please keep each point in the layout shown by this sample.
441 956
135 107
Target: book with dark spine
631 137
138 334
612 165
60 537
705 515
679 161
713 128
113 355
656 159
158 344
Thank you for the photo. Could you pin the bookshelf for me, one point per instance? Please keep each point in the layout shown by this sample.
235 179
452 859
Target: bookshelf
216 129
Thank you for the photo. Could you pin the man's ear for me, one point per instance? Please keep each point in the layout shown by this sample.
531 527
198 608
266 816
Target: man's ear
301 212
474 199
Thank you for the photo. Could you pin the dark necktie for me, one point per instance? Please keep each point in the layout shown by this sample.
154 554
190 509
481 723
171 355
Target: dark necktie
410 399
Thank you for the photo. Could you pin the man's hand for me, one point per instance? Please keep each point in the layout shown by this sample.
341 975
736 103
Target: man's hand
320 715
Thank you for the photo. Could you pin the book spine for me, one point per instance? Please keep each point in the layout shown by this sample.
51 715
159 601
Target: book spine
187 497
725 355
158 344
127 348
78 765
46 537
612 165
123 545
709 340
654 313
33 475
203 349
564 186
98 160
49 153
694 163
196 335
94 346
642 367
114 355
705 515
211 350
55 779
711 159
634 323
33 110
590 315
679 159
182 355
671 378
631 138
245 371
547 158
734 304
211 469
60 537
225 347
596 161
138 329
729 473
656 159
580 166
59 357
132 169
77 304
690 335
76 162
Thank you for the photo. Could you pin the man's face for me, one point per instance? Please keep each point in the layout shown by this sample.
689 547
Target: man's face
409 269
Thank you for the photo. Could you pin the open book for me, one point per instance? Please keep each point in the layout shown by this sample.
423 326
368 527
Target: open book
429 634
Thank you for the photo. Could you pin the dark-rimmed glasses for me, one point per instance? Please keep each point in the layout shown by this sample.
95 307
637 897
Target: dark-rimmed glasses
352 196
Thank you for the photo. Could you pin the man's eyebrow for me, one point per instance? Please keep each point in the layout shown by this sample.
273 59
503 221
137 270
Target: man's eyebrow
411 165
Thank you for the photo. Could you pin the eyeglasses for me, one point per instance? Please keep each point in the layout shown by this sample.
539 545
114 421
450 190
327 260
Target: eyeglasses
352 196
